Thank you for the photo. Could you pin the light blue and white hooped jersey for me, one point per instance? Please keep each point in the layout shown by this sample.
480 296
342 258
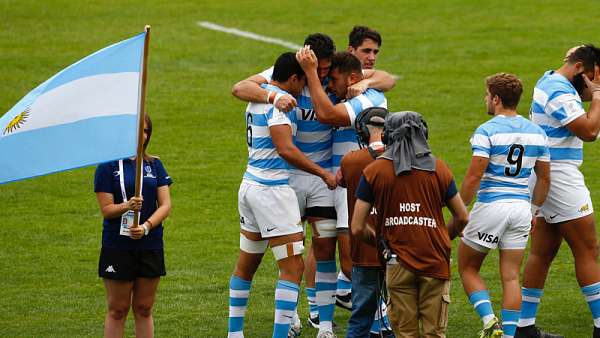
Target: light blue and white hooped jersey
345 138
313 138
555 104
513 145
265 166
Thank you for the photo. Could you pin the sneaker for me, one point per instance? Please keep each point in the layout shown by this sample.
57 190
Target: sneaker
492 329
384 334
532 331
344 301
326 334
314 322
295 327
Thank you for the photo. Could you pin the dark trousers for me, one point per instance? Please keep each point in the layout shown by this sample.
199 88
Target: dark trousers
365 284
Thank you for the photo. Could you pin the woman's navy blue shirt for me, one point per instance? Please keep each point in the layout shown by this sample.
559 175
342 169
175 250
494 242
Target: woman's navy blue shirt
107 180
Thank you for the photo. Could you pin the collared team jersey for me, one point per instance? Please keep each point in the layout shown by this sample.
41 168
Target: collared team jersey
265 166
556 103
345 138
313 138
513 145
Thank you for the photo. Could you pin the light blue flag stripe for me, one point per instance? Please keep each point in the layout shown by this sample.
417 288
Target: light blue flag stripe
69 123
59 153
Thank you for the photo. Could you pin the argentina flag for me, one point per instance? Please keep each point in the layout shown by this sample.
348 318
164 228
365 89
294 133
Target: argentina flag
84 115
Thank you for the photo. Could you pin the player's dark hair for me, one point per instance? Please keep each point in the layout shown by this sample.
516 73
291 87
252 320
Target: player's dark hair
321 44
346 63
587 54
286 65
360 33
508 87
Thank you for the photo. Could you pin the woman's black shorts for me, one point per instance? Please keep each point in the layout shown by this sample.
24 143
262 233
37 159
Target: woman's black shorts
131 264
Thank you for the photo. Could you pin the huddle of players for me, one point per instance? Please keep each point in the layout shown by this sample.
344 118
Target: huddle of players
505 151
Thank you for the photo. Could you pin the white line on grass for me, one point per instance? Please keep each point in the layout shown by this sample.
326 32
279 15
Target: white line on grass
258 37
248 35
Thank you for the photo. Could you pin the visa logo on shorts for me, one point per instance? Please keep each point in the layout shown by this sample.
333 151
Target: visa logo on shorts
308 114
487 237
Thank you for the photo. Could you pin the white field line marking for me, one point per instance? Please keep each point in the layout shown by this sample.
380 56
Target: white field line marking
248 35
258 37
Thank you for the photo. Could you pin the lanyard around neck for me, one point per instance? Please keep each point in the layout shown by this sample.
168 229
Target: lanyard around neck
122 181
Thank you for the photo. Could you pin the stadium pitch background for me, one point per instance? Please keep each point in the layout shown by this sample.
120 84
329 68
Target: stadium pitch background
442 51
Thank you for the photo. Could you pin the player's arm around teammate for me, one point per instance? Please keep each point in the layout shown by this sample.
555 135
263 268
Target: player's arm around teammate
132 259
346 73
284 143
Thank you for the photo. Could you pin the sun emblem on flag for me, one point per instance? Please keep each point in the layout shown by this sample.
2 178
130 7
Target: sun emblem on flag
17 122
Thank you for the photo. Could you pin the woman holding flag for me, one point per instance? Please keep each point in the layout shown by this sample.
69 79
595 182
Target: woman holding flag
131 258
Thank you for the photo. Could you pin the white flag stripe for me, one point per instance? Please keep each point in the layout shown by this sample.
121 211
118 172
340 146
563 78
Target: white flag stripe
93 96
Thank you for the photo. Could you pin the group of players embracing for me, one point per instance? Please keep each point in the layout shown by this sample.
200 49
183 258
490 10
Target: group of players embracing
323 149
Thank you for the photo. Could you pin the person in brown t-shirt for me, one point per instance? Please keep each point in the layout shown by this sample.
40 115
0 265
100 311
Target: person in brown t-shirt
409 187
367 272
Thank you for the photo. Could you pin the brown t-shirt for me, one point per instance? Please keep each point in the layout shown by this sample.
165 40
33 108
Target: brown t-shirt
410 215
352 165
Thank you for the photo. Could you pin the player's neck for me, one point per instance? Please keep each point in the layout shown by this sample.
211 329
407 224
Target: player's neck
280 85
506 112
566 71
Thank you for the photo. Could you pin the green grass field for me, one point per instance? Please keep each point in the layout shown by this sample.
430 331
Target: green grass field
442 50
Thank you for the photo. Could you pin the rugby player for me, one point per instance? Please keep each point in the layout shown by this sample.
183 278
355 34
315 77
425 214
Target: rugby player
505 150
316 202
364 43
567 212
268 206
345 71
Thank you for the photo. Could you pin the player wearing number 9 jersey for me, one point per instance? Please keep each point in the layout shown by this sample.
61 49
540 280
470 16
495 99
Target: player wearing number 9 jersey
505 151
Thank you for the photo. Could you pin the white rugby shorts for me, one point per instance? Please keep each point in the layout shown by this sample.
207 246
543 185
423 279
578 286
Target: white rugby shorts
568 197
269 210
311 191
341 207
503 224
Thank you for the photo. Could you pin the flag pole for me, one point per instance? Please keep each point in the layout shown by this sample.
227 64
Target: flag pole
139 159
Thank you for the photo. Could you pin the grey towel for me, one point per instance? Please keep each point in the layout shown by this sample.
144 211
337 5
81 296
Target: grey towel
407 143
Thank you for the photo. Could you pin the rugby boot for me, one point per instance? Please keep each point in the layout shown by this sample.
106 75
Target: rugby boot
314 322
295 327
532 331
492 329
344 301
326 334
384 334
